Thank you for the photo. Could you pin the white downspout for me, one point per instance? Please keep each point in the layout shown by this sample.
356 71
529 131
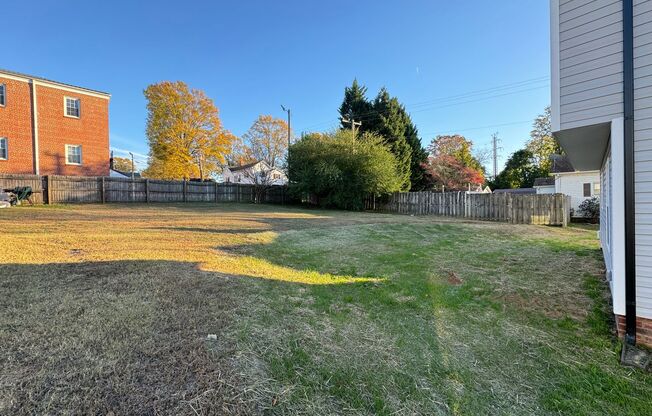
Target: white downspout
35 124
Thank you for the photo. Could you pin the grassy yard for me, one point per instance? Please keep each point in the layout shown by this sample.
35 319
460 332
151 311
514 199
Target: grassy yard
239 309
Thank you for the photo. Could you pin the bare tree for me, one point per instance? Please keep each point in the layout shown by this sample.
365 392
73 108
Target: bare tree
262 179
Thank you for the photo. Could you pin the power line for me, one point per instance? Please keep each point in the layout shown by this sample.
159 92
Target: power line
504 87
451 131
371 114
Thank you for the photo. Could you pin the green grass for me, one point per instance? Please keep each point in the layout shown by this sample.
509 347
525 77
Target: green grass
315 312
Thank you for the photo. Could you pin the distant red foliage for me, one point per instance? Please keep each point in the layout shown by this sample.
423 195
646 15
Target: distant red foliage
450 172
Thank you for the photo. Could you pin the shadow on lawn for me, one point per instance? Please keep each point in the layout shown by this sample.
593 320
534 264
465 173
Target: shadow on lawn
123 336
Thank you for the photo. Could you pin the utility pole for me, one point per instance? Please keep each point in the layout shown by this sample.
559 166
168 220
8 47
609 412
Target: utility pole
353 124
287 110
495 140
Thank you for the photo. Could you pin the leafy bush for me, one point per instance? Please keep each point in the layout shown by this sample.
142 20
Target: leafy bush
339 170
590 208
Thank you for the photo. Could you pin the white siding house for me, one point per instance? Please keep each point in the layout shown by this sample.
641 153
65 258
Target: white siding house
580 186
601 62
254 173
564 179
544 186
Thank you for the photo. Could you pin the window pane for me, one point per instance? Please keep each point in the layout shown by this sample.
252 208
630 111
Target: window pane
2 94
74 154
3 148
587 189
596 188
72 107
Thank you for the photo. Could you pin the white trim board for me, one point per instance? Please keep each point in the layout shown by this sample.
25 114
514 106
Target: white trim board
617 216
55 85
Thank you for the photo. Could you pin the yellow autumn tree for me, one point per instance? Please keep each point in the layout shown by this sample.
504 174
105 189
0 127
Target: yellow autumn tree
267 139
184 131
241 153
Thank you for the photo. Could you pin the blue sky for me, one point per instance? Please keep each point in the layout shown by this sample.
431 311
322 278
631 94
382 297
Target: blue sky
253 56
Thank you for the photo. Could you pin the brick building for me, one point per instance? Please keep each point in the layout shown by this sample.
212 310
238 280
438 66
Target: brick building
47 127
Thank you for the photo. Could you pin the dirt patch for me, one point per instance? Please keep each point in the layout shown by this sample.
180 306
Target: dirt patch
454 279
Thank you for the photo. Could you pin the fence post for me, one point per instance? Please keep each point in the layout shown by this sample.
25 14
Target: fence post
185 196
565 206
509 215
48 189
147 190
102 189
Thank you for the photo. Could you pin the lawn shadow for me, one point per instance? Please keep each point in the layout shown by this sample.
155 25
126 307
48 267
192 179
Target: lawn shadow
131 337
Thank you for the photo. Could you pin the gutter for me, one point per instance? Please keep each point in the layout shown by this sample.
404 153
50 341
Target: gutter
35 127
628 99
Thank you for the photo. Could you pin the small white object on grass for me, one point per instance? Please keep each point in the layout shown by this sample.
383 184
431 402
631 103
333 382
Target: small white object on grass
211 337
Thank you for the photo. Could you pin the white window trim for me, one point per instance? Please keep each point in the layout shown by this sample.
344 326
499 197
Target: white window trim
6 147
65 106
81 157
4 93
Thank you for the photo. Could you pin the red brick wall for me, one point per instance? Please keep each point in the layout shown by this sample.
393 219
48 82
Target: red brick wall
16 126
90 130
643 329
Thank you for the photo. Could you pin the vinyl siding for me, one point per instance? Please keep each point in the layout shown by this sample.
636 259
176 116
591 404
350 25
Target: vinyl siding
643 153
572 184
590 67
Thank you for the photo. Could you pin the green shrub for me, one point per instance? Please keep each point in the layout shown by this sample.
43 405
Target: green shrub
337 170
590 208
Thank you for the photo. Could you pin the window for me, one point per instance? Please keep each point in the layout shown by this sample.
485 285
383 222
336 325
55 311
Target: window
587 190
4 152
71 107
73 154
596 189
3 95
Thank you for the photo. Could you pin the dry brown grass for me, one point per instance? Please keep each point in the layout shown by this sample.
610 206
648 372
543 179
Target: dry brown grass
109 308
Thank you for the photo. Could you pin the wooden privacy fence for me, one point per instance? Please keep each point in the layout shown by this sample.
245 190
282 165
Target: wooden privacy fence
53 189
551 209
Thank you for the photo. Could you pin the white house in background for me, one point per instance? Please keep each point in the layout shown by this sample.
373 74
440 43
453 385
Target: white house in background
601 62
564 179
257 172
544 185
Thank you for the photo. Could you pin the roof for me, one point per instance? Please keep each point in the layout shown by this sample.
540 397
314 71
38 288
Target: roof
127 174
516 191
49 81
242 167
252 164
549 181
560 164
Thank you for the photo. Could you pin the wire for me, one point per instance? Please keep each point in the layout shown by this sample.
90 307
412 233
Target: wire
479 127
504 87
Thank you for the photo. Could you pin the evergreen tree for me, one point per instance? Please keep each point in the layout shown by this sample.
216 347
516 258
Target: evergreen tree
418 158
387 117
389 121
355 104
